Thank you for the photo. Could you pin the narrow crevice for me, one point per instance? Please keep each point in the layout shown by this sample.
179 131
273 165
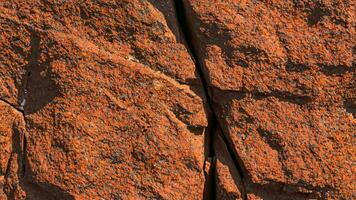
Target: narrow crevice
33 58
23 139
21 143
17 156
23 155
213 123
22 99
236 160
20 140
210 177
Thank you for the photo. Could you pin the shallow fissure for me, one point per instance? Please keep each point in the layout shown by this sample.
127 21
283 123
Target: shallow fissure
213 123
11 105
18 154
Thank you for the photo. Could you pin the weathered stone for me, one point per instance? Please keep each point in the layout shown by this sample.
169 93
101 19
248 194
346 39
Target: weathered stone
12 128
282 80
112 103
229 184
106 99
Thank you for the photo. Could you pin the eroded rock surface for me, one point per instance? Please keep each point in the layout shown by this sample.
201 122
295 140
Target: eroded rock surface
106 99
12 130
112 103
229 184
282 82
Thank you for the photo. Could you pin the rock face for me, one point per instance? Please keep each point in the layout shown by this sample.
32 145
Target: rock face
154 99
12 129
112 104
282 82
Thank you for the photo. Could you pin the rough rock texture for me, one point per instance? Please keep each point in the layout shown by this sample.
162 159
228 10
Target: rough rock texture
112 103
228 178
184 99
282 82
12 129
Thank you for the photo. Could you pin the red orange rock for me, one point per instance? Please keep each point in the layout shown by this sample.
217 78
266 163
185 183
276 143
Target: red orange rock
106 99
12 130
112 104
282 79
229 184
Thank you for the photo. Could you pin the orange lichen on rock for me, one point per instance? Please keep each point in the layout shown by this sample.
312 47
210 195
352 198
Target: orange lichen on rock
113 106
177 99
282 80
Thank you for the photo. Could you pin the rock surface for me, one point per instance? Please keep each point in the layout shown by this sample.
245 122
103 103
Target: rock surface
112 103
154 99
229 184
12 128
282 80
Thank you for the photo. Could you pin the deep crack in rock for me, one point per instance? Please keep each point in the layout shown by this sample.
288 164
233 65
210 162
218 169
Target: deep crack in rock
210 190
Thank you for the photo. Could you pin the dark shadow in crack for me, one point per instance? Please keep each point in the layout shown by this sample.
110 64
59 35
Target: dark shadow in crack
350 106
284 96
223 155
200 87
167 9
38 87
336 70
9 188
317 14
292 66
18 148
36 191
